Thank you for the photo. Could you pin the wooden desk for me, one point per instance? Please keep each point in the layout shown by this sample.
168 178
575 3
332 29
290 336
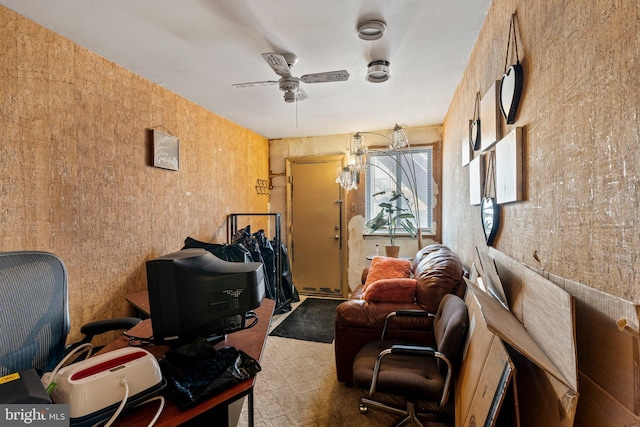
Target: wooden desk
251 341
140 301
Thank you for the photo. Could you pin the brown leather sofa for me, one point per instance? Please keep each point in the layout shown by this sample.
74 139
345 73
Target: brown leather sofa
437 271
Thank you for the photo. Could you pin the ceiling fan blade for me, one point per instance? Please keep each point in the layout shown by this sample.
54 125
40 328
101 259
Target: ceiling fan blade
329 76
252 84
301 95
277 63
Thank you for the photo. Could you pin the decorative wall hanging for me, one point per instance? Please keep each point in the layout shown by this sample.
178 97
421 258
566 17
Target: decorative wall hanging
467 150
490 117
490 210
476 180
262 187
509 167
166 151
474 125
512 79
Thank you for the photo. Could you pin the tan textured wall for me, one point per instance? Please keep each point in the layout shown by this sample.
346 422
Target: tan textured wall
579 112
75 176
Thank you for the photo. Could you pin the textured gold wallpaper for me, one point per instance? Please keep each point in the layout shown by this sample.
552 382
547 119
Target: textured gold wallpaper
581 130
76 176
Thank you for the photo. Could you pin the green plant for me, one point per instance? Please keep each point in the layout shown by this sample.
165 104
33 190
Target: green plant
392 216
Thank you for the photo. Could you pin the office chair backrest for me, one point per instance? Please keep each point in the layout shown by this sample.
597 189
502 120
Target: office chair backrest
34 315
450 327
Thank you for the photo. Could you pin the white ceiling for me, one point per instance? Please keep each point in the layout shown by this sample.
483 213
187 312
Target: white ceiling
199 48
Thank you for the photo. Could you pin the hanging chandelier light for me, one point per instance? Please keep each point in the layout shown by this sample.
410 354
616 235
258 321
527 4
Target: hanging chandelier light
357 151
348 177
399 138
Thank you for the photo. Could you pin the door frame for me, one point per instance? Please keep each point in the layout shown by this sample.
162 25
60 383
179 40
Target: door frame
344 233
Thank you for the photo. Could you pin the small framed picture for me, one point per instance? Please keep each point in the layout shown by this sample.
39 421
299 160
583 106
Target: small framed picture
467 150
509 167
490 116
476 180
166 151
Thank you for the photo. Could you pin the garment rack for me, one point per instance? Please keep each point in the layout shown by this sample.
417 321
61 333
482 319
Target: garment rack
232 228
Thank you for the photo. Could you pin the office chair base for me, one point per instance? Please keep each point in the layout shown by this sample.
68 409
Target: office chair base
410 412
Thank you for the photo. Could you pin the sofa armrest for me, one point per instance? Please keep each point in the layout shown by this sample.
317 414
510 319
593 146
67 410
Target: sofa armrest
372 314
365 273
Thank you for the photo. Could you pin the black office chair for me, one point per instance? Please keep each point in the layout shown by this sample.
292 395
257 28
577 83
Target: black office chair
34 313
412 371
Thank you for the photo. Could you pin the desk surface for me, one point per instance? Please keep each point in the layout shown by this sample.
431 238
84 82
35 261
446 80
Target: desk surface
251 341
140 301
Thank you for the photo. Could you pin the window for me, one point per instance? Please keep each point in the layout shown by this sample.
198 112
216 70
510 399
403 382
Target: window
389 171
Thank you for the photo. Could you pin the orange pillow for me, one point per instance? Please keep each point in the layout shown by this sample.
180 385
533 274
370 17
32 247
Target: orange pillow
391 290
387 268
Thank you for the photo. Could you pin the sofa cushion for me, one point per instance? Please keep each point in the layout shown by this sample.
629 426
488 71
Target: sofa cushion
391 290
387 268
438 273
427 250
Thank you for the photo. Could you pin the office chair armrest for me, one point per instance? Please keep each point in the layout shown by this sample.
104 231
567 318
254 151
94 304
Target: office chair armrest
413 350
404 313
101 326
411 313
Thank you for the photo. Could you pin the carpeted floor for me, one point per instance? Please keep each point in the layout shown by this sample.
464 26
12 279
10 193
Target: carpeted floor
298 387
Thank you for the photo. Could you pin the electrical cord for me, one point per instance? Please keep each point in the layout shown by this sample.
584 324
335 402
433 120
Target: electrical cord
251 315
135 341
158 412
115 415
48 379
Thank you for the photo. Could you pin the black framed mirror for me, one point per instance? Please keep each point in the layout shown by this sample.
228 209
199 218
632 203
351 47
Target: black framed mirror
490 211
474 134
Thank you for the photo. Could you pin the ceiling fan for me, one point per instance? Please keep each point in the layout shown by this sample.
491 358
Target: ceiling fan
290 85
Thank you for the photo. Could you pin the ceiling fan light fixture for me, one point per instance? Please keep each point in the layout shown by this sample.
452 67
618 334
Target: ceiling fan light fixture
378 71
371 30
289 96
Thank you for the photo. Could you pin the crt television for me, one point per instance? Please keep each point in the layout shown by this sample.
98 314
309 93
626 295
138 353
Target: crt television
193 293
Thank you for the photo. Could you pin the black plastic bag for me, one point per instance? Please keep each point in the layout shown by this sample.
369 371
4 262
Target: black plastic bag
251 242
288 288
196 371
231 253
268 258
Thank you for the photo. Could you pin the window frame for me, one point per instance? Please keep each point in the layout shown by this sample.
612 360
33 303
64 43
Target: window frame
425 184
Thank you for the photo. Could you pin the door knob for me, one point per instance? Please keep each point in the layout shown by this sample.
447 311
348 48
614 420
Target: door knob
337 237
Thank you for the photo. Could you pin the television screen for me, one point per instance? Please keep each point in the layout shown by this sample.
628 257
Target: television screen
193 293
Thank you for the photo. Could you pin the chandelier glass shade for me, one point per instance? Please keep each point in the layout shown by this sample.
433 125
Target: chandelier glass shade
348 177
357 152
399 138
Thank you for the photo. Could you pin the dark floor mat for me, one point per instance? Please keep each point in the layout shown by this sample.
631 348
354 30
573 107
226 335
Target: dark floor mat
312 320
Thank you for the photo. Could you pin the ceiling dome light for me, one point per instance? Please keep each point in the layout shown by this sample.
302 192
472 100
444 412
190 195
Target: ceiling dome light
371 30
378 71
